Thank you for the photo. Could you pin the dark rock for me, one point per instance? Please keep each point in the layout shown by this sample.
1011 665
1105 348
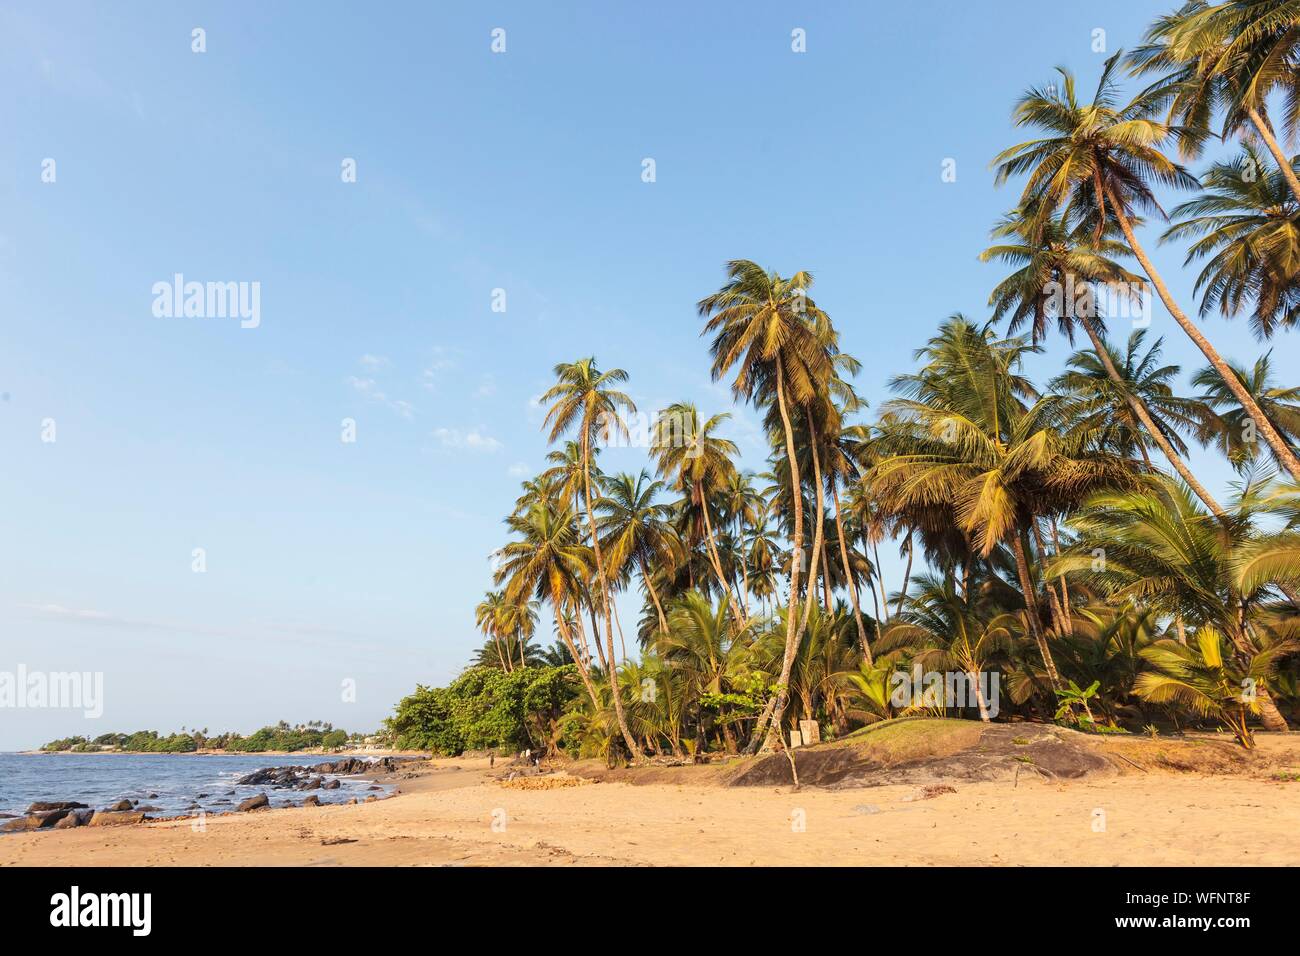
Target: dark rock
375 787
30 822
77 818
253 803
312 801
61 805
330 785
120 806
148 809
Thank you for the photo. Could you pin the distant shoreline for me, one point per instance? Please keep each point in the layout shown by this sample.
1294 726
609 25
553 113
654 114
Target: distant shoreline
381 752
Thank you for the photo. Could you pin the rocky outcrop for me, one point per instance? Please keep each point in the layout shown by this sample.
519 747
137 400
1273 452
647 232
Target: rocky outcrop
258 802
114 818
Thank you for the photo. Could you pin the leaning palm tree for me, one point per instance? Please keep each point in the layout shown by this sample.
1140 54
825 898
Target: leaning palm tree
764 327
549 562
636 529
1230 426
1247 225
1059 272
1099 161
1227 57
584 398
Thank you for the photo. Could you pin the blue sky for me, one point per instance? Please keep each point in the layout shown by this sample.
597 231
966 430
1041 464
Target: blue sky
522 170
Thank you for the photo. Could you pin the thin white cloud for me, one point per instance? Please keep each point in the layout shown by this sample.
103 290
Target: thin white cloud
472 440
372 363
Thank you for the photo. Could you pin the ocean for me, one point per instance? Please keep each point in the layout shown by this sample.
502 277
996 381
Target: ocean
169 782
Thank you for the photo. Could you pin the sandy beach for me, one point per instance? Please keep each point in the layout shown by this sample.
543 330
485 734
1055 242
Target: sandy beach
461 812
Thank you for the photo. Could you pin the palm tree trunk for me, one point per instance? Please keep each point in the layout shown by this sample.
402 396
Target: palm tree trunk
1065 587
826 576
1144 416
848 578
523 661
604 600
772 718
1266 134
563 628
1269 715
1058 615
880 576
717 563
1031 609
819 501
1265 427
907 575
654 595
595 637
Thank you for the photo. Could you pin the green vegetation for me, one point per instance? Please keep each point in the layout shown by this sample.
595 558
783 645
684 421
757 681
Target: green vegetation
310 736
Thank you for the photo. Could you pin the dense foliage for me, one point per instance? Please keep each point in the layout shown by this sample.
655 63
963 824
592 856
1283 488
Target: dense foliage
281 737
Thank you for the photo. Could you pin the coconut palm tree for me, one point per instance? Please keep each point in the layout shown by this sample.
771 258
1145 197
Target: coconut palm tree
1059 273
1104 406
488 618
549 562
636 529
764 328
584 398
1226 57
700 466
1099 161
1230 426
1208 679
1246 224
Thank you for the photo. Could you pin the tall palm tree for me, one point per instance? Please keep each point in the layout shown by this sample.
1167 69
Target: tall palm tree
1230 426
1247 224
1099 160
636 529
584 398
1052 258
763 327
549 562
700 465
1227 57
1103 404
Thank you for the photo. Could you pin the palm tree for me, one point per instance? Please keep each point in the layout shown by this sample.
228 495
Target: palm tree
1157 546
1231 426
636 529
702 643
1208 679
1054 262
549 562
488 617
1099 161
1248 225
701 468
1103 402
583 398
1227 57
763 326
964 443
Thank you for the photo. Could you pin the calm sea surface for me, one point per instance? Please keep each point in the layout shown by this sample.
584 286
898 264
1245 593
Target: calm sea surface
170 782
